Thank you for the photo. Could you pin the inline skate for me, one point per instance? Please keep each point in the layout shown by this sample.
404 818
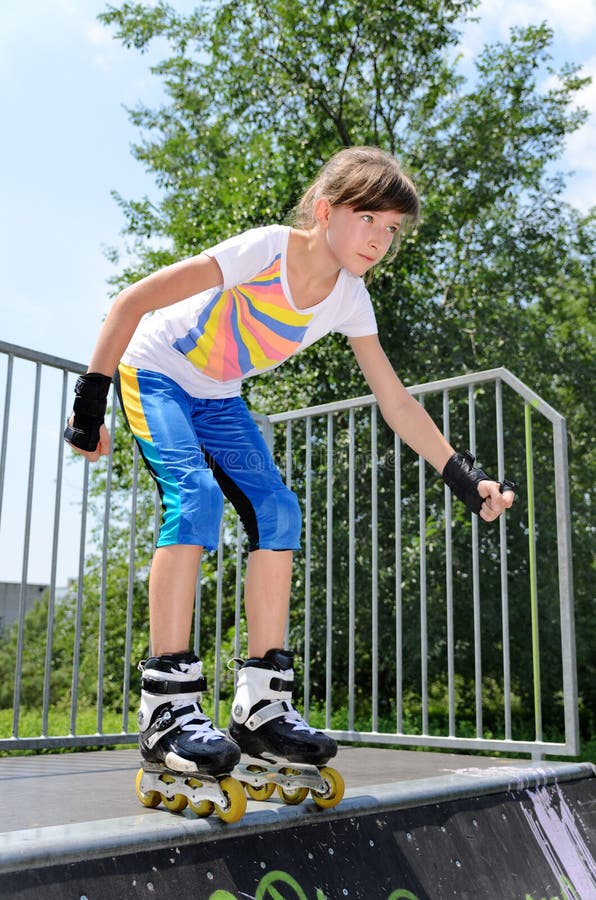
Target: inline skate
284 750
186 761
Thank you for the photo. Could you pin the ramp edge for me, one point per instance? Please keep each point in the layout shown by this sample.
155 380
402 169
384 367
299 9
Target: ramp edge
59 844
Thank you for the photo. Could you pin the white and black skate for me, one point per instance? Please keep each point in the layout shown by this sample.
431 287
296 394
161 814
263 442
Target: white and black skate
186 761
285 751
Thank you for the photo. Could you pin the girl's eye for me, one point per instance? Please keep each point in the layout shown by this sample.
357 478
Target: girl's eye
369 219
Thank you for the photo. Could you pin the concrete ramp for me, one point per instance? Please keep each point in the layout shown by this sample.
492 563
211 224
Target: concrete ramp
498 831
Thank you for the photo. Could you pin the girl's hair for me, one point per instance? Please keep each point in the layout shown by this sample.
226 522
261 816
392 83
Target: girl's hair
364 178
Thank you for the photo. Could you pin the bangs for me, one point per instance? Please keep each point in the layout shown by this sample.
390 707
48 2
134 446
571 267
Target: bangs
375 187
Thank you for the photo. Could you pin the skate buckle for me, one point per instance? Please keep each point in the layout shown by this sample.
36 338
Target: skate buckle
165 720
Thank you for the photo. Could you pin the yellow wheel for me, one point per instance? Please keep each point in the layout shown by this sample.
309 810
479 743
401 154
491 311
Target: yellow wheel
151 799
178 802
292 797
259 793
203 808
236 800
335 789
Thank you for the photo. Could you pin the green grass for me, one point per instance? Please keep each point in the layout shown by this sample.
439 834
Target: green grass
30 726
339 722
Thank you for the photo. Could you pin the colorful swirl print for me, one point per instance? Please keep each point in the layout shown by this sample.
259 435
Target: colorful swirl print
250 326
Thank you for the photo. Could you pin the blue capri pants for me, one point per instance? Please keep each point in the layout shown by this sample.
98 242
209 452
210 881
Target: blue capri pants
197 450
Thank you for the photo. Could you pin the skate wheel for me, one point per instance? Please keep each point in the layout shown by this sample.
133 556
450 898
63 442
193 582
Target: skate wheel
259 793
203 808
151 799
292 797
236 800
176 803
335 789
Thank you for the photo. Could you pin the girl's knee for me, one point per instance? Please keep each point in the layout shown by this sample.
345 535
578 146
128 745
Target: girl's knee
192 513
279 522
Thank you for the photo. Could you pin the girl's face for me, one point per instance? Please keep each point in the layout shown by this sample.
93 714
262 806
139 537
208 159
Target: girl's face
359 239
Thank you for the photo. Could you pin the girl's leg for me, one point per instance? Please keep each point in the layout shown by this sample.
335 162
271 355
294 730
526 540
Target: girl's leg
246 472
159 414
172 584
263 719
267 599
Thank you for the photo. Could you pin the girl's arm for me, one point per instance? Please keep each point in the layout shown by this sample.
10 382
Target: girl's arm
399 409
163 288
414 425
85 429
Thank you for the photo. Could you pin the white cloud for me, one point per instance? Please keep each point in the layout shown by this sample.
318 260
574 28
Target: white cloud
103 48
580 153
582 144
572 20
97 34
574 25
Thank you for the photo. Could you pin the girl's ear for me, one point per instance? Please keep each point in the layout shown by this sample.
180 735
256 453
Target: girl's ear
321 211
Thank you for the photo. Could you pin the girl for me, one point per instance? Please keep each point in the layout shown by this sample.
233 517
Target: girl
237 309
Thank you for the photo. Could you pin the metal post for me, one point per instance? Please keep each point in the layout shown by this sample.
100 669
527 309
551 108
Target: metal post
374 515
449 582
533 574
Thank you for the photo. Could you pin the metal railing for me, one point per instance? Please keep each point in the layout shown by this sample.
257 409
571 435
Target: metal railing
416 624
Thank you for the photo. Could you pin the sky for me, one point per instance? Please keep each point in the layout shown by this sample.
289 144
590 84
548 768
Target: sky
66 139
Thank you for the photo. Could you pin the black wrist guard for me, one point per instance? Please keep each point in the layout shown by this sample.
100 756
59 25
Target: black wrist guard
89 409
462 477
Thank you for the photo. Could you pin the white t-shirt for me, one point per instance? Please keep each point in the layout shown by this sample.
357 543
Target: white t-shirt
210 342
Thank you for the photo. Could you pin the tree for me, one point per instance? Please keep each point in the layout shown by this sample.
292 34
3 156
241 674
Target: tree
259 96
500 271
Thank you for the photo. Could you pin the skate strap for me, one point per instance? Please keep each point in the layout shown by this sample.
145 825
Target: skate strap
267 713
279 685
277 711
157 686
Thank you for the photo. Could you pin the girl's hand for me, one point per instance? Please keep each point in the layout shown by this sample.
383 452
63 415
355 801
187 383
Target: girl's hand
103 446
483 496
495 501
